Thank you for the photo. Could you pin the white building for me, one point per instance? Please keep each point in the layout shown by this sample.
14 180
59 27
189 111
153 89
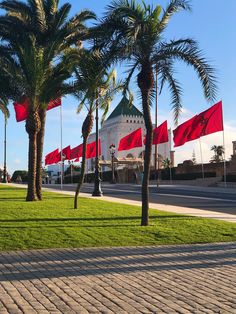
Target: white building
123 120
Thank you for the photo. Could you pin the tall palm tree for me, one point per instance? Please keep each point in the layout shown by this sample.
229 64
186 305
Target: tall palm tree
96 88
218 153
134 32
47 29
6 113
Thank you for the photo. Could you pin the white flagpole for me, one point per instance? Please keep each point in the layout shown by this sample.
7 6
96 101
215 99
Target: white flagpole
200 142
156 158
225 178
61 148
170 157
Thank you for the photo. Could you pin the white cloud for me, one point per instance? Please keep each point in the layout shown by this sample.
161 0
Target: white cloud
17 161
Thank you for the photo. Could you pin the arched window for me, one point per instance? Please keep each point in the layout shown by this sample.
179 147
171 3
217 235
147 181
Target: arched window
130 156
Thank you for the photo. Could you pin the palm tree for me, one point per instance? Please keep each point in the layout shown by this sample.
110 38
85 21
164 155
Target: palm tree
96 88
134 32
40 32
166 163
218 153
4 109
6 113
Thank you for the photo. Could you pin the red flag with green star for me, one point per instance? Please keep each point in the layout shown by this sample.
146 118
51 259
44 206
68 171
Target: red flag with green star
131 140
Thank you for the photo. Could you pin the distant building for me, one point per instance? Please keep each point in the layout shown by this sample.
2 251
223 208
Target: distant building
54 171
123 120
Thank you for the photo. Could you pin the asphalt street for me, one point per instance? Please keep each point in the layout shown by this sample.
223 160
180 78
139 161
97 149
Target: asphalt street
215 199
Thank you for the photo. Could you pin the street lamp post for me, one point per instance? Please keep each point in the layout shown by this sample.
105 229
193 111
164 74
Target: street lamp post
4 180
112 149
97 180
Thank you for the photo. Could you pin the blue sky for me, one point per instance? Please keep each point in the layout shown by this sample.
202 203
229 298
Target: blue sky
212 24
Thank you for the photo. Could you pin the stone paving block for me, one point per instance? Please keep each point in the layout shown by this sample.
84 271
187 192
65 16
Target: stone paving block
169 279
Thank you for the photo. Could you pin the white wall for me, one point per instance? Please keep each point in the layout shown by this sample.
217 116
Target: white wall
114 129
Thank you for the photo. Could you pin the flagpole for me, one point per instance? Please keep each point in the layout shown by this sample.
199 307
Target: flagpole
200 142
225 175
61 148
5 152
156 166
225 178
170 158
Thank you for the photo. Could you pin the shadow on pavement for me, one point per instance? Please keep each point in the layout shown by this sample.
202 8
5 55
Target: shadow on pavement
25 265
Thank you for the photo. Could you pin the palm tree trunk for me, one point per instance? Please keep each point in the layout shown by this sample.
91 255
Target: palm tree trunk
82 173
86 130
147 160
32 128
40 142
145 83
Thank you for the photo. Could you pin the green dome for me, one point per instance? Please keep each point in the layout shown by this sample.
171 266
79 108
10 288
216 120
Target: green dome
124 109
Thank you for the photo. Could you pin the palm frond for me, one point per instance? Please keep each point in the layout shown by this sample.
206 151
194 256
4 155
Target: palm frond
38 9
173 7
166 75
3 107
191 55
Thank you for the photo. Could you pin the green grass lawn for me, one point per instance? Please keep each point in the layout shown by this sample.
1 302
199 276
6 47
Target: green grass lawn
53 223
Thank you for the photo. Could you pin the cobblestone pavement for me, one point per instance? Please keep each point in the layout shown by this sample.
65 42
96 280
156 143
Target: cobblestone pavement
162 279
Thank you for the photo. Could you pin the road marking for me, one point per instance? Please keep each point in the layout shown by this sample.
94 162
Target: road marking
198 197
163 194
173 195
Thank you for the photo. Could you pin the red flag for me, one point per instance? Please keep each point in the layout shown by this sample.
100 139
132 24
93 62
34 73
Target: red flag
208 121
52 157
91 149
54 103
183 133
160 134
66 153
57 158
76 152
22 107
131 140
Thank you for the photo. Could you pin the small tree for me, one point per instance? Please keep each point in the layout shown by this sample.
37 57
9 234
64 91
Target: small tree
96 89
166 163
20 173
218 153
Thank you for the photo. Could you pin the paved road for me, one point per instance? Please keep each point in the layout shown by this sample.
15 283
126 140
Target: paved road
183 279
215 199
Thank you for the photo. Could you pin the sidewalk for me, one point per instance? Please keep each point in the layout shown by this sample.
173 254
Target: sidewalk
163 207
184 279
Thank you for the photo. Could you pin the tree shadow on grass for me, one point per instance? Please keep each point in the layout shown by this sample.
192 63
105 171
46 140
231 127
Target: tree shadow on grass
178 217
22 199
15 199
119 226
